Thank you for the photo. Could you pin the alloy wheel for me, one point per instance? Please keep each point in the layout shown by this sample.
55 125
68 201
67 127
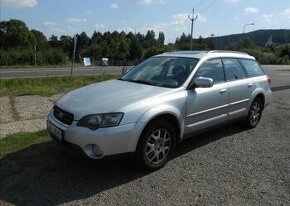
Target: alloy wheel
255 113
158 146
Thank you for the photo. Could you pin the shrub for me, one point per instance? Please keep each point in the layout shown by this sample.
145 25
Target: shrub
27 57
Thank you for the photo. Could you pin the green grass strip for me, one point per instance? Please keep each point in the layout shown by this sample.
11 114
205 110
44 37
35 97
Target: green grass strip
21 140
48 86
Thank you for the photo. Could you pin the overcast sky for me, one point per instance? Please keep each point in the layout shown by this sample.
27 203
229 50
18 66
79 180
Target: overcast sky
218 17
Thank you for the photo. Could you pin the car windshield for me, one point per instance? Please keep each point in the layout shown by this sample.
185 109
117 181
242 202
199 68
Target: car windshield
168 72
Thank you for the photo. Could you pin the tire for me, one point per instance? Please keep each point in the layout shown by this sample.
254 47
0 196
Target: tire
254 114
156 145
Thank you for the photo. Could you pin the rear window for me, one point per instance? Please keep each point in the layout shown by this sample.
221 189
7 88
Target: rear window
252 67
233 69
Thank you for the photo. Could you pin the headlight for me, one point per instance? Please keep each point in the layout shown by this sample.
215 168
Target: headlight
95 121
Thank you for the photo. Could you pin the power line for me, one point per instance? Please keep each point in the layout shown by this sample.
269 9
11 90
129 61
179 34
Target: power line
207 6
200 4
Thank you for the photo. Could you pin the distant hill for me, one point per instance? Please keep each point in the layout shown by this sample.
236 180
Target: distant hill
259 38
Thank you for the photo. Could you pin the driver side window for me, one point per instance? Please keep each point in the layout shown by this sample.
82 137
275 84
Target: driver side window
212 68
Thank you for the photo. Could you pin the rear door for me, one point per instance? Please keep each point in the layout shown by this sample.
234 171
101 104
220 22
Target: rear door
240 88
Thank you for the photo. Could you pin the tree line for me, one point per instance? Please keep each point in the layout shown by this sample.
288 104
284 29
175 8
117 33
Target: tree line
21 46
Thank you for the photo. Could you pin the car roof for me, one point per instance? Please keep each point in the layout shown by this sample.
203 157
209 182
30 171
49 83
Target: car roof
202 54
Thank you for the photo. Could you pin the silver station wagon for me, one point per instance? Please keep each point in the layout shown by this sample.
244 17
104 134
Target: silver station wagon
160 102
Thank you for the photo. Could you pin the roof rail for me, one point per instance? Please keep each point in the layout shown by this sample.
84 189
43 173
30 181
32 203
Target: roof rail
226 51
187 51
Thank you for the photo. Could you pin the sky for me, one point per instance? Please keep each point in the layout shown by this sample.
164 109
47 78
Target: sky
214 17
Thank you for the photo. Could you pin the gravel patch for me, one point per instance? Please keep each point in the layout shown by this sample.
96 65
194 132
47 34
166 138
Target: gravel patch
24 113
22 126
5 109
33 107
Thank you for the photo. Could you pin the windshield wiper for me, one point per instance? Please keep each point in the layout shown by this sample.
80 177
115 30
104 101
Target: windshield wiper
141 82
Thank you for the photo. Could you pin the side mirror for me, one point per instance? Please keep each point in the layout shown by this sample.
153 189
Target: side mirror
203 82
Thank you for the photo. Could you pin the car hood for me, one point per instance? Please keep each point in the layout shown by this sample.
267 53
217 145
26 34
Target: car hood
108 96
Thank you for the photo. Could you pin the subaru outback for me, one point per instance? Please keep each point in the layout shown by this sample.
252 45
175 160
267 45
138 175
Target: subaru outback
159 103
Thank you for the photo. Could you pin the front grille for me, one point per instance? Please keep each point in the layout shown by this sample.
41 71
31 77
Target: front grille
63 116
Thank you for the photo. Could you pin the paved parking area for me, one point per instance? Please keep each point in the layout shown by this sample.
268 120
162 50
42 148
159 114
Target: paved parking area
226 166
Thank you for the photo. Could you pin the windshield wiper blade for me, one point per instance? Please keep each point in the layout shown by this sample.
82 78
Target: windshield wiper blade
141 82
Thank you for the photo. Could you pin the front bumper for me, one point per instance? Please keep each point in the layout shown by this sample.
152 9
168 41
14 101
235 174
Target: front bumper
109 141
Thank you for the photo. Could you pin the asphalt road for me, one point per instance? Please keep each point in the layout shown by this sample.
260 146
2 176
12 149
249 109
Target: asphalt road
226 166
49 72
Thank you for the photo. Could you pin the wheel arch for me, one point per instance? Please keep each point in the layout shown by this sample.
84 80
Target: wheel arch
257 94
172 119
166 112
262 97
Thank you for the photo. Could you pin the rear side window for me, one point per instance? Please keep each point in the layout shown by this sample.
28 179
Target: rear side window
211 69
252 67
233 69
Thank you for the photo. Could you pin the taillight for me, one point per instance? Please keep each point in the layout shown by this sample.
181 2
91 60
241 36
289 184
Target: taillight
268 78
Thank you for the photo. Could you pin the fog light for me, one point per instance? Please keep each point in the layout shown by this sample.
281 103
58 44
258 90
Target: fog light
97 150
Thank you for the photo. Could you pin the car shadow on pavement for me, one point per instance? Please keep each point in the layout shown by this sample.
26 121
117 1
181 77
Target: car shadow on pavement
280 88
47 174
205 138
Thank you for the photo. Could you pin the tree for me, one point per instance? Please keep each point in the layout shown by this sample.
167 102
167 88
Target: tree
107 37
97 37
161 39
40 39
183 43
150 40
135 50
66 43
15 34
246 43
83 42
53 41
285 51
210 42
94 51
200 43
130 36
123 50
140 38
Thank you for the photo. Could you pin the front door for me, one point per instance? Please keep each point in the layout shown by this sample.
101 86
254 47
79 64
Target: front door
206 107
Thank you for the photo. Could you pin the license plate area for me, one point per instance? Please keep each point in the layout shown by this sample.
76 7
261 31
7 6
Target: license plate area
55 132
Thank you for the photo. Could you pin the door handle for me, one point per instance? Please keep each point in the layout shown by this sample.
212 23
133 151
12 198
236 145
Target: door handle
222 91
250 85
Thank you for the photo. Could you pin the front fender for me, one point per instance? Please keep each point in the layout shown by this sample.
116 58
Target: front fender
150 114
162 110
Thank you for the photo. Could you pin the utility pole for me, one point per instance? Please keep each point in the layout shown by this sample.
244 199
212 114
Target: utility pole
35 60
73 57
192 18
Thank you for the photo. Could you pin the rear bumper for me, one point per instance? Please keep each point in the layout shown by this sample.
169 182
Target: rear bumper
268 98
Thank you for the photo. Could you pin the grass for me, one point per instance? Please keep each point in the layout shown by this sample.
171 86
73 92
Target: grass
21 140
48 86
